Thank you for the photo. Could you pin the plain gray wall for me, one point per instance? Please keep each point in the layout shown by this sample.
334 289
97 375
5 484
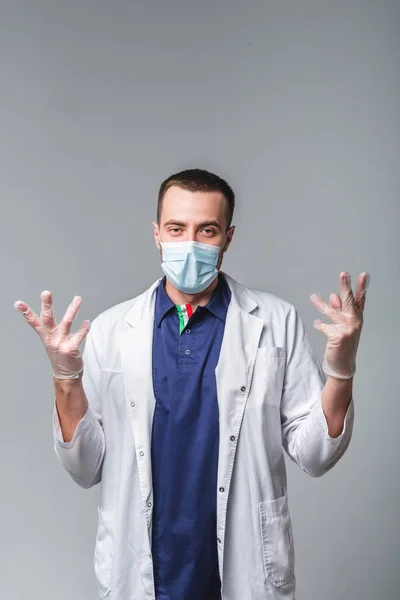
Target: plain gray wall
297 105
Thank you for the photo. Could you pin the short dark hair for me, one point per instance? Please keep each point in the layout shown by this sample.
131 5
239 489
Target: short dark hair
198 180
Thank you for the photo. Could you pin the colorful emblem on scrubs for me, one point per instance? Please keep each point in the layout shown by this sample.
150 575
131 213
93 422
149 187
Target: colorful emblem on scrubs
184 311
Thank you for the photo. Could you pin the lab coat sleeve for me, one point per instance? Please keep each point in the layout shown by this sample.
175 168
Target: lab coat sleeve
305 434
82 457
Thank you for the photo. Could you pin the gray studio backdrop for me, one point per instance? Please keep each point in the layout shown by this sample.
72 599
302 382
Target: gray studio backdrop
297 105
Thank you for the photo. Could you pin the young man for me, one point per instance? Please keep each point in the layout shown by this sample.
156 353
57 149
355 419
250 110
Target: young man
182 405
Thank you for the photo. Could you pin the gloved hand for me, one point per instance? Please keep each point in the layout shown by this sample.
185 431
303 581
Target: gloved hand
61 346
344 334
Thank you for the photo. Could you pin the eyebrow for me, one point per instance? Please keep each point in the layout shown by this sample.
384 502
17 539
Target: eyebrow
200 225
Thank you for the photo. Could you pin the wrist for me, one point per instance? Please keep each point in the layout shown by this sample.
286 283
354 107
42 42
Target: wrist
346 373
67 384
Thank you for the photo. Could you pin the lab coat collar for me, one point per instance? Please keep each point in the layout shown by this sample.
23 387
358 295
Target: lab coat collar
240 295
163 303
240 299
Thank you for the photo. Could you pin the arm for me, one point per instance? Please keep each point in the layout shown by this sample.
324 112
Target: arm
77 427
306 430
318 415
77 423
71 405
343 333
336 397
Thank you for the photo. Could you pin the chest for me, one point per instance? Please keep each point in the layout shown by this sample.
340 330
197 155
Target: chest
184 357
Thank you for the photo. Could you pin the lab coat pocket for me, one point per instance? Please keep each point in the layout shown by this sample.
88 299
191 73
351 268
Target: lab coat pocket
268 376
277 540
104 550
271 352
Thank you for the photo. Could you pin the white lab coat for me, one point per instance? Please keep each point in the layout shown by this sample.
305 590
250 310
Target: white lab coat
269 384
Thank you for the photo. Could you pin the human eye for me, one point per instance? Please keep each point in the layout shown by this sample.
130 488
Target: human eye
174 230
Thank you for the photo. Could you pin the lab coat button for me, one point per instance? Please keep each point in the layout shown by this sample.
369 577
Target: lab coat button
219 540
141 453
132 404
243 388
221 489
232 438
149 504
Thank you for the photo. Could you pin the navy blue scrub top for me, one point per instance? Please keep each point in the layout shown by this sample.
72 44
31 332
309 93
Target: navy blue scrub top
184 449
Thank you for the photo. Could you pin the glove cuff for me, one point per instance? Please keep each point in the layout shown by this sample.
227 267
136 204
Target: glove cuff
326 369
71 376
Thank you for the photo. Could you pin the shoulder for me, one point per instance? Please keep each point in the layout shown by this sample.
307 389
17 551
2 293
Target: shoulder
269 300
120 312
263 301
284 325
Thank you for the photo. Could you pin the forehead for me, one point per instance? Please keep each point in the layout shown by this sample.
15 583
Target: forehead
185 205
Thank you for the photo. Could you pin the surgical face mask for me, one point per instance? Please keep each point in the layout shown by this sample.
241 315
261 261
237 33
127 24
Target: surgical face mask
190 266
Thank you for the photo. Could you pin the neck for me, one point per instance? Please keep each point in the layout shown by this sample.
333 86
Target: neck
195 300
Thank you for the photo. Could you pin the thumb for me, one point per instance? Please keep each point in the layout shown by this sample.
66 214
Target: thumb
82 332
319 325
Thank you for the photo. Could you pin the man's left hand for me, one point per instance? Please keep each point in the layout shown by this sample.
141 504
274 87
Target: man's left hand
344 332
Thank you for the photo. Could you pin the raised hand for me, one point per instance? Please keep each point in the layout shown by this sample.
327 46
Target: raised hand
62 347
347 316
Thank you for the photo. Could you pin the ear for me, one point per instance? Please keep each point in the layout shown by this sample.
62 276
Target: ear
156 235
229 237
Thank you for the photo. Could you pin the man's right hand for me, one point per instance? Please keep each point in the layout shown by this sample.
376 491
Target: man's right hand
62 347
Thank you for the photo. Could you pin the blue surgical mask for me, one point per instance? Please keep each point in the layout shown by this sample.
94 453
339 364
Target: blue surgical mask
190 266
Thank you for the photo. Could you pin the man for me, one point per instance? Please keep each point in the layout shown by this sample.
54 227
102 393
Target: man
182 404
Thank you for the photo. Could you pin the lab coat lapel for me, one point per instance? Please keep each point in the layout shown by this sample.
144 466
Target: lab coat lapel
233 375
136 362
238 354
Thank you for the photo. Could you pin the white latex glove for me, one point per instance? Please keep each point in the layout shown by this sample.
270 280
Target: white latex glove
62 347
347 316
